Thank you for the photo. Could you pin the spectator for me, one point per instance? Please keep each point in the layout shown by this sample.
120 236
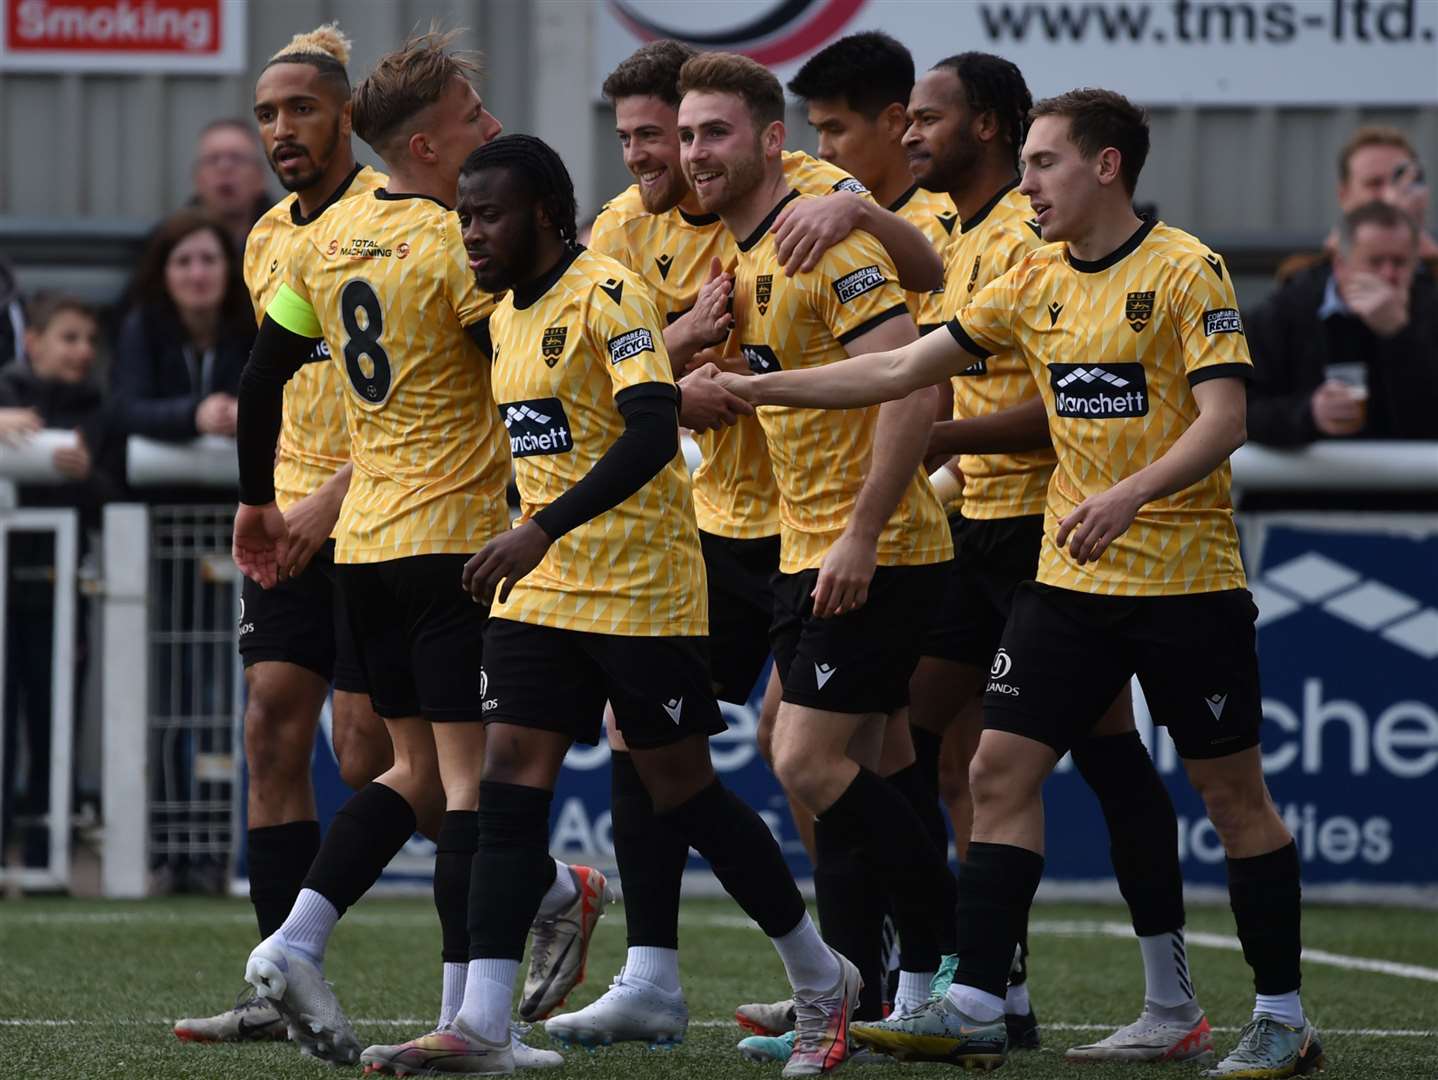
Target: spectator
1369 312
54 390
187 335
1377 163
229 177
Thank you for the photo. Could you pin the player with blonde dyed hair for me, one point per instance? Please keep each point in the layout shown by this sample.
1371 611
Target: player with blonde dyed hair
294 640
383 289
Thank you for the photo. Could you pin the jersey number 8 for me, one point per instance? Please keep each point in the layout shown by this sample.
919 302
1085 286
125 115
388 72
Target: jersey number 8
366 362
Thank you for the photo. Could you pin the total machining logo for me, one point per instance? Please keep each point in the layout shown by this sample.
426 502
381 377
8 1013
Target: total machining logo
1099 391
1345 594
537 426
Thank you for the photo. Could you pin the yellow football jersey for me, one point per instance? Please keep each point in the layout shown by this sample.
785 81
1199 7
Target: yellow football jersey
734 492
314 438
390 284
821 456
559 363
1116 346
986 246
933 214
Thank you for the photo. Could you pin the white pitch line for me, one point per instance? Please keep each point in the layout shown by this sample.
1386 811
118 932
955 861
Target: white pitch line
415 1022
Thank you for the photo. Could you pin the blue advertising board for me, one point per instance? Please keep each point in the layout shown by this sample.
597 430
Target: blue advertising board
1348 651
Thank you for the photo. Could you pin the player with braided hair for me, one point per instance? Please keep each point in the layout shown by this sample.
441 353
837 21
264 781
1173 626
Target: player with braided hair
597 594
295 640
382 282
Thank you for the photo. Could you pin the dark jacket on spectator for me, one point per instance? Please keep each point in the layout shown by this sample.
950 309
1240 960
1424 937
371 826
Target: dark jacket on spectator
1292 346
158 378
69 407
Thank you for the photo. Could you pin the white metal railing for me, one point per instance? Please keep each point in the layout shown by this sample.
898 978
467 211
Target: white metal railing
1338 465
64 525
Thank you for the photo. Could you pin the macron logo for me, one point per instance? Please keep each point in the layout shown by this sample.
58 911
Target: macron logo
674 708
1215 703
823 673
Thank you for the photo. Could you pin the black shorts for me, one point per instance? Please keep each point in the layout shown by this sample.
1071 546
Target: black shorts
1065 656
991 558
302 621
860 661
558 680
421 637
741 607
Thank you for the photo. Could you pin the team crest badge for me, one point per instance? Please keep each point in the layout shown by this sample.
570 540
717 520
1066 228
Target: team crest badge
1138 310
763 290
974 275
552 344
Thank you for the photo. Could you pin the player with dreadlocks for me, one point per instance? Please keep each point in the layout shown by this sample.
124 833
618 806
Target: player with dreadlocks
598 594
967 121
384 282
295 639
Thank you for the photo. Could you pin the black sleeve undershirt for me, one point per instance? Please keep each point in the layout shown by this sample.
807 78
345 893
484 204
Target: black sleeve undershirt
277 354
648 443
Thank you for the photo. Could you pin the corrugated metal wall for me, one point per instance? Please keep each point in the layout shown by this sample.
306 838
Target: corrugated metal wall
76 146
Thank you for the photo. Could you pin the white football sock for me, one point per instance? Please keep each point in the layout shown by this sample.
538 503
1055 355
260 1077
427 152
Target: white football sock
653 965
1165 969
913 990
560 895
1285 1008
975 1003
488 992
309 925
808 962
453 994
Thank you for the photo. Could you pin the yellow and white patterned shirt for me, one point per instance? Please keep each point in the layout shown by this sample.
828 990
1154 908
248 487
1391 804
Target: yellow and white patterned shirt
389 282
734 492
933 214
986 246
821 456
559 364
314 437
1116 346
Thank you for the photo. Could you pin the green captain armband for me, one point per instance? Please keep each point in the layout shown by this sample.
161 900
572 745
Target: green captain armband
293 312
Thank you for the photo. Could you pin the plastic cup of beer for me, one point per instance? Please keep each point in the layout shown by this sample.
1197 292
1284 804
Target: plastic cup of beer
1355 377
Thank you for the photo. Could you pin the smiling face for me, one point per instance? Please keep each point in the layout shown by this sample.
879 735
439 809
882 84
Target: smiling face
64 351
942 148
722 153
302 124
648 130
1062 185
501 227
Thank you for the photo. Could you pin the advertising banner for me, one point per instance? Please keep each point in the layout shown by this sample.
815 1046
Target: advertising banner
203 36
1159 52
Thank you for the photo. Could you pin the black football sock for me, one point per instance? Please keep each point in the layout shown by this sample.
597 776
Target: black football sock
453 864
743 854
879 821
651 856
911 784
927 746
1266 898
512 869
851 914
279 858
365 835
1142 829
996 890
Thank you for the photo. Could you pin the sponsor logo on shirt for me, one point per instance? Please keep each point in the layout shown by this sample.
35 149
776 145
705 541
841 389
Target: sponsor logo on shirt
760 358
1222 321
630 343
359 248
1099 391
858 282
850 184
536 426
